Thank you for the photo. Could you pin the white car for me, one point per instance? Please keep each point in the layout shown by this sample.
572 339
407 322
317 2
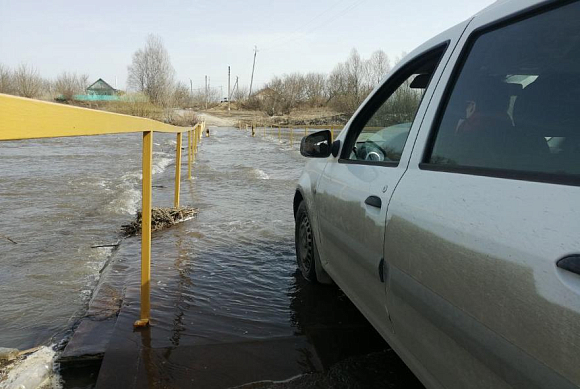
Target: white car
448 209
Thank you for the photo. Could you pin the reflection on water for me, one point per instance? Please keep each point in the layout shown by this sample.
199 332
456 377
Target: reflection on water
331 322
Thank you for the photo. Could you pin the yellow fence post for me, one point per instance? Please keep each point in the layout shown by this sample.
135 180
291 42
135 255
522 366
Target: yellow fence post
195 138
146 231
279 137
189 159
195 141
331 134
177 170
291 135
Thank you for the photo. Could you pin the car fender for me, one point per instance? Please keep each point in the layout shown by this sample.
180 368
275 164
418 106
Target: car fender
306 191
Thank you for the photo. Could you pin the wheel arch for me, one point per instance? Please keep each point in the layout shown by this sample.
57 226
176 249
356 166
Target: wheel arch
298 198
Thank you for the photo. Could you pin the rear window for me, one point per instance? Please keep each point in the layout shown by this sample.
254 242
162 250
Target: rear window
516 102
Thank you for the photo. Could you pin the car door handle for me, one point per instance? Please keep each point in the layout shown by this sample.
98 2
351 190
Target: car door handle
373 201
570 263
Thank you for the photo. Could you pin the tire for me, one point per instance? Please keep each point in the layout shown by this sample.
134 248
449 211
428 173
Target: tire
305 244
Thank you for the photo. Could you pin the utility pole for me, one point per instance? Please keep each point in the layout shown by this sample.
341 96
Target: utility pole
191 87
228 89
205 94
253 67
234 88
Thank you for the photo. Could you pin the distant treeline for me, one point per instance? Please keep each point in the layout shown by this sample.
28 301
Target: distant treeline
154 92
342 90
25 81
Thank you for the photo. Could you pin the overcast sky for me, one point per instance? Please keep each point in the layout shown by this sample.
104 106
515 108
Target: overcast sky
203 37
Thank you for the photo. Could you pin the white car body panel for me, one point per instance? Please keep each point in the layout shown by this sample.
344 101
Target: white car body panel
469 289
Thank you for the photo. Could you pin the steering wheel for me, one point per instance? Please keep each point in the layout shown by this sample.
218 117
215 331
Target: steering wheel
374 152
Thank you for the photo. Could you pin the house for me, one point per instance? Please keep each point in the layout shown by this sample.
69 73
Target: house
101 88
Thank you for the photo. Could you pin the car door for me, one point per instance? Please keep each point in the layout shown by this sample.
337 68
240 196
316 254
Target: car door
482 239
353 192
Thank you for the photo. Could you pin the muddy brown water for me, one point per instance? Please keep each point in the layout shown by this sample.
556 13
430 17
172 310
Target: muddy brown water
227 277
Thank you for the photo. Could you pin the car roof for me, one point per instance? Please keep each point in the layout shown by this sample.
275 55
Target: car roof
505 7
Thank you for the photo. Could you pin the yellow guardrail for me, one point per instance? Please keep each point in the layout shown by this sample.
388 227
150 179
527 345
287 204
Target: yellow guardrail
22 118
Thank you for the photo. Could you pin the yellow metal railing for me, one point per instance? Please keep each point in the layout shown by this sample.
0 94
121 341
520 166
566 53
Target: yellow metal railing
22 118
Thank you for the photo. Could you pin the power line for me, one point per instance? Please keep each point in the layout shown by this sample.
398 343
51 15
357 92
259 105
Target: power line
323 23
270 44
253 67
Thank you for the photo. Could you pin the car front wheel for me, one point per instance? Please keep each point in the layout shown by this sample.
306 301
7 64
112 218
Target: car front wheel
305 245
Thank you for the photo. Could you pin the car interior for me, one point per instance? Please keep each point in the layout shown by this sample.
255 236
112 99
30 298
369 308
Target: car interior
385 133
517 112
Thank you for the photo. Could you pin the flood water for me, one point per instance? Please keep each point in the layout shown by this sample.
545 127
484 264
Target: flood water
227 276
59 197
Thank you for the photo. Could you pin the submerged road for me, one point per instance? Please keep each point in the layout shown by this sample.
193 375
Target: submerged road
229 308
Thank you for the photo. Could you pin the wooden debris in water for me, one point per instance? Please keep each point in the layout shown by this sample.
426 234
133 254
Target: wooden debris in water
160 218
9 239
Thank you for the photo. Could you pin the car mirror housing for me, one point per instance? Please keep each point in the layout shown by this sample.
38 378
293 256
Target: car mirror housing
335 148
316 145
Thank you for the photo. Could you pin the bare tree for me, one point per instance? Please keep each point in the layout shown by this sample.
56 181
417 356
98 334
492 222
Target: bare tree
378 67
27 82
181 96
151 71
273 98
343 89
69 84
400 57
347 87
336 83
314 89
356 73
240 93
6 80
212 97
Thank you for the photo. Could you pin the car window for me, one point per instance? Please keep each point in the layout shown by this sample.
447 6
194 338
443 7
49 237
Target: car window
383 136
516 102
380 130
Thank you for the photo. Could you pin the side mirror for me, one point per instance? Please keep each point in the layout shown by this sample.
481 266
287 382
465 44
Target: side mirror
316 145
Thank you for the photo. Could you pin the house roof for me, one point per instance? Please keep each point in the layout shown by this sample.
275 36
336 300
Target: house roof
103 82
